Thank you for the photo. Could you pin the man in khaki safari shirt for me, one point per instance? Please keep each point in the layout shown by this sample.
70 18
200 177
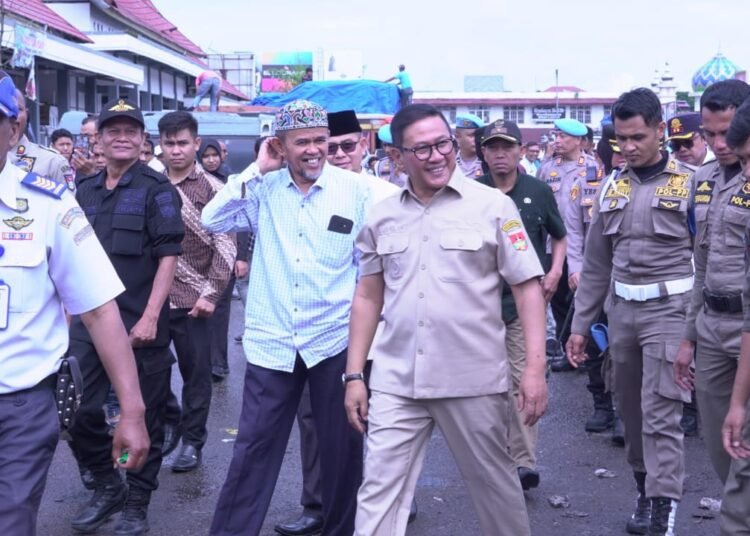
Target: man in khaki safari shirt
442 245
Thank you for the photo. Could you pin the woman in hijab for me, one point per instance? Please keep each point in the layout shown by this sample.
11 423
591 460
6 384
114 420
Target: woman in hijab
210 158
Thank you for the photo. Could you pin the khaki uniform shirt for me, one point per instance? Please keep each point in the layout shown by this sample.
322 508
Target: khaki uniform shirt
578 215
722 210
639 235
471 168
43 161
444 264
560 175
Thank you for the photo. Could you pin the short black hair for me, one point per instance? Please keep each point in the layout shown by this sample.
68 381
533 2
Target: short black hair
61 133
640 101
408 115
739 130
150 142
532 143
725 95
589 134
173 122
88 119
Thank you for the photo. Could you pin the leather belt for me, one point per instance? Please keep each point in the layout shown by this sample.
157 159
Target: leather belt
723 304
653 291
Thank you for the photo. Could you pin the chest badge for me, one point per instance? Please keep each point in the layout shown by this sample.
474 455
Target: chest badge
17 222
22 204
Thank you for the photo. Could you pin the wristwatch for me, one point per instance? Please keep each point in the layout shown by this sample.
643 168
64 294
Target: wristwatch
346 378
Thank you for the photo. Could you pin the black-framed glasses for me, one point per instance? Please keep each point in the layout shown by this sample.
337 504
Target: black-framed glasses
424 152
346 146
676 145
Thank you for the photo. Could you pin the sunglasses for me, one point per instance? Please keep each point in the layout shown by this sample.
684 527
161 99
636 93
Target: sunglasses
676 145
346 146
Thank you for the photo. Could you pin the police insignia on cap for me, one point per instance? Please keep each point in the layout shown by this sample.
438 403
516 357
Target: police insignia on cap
676 126
121 107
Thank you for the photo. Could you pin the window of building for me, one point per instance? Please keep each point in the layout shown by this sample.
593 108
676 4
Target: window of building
582 113
482 112
513 113
449 112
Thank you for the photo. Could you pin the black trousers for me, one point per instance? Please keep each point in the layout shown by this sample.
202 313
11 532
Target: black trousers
29 431
269 405
312 496
91 444
561 303
219 323
192 343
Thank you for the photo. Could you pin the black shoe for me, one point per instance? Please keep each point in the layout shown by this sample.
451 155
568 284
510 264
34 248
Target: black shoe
639 521
689 424
238 338
305 525
604 416
618 432
528 477
189 459
663 512
553 349
109 498
171 438
87 478
560 365
133 521
412 512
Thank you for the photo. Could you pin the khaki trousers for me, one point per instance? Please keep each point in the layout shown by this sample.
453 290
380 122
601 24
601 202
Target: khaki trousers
521 438
475 428
735 503
644 337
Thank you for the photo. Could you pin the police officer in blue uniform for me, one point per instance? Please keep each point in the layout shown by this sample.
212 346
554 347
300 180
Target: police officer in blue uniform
50 263
136 215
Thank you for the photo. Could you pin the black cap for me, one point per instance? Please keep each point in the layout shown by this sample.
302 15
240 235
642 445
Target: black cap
344 122
121 108
500 129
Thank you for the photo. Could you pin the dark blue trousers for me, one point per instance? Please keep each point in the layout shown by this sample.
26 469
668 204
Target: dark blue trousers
269 406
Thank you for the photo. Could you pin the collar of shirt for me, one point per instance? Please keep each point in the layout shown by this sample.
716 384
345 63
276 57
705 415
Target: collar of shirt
125 180
457 183
9 185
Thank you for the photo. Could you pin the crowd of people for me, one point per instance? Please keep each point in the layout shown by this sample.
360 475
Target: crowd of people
627 257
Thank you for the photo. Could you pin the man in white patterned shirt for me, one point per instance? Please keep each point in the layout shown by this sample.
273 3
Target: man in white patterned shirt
305 218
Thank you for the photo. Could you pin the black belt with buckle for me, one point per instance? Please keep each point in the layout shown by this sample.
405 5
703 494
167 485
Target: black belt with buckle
723 304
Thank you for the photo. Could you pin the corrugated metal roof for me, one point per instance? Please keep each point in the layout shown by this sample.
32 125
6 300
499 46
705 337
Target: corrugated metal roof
144 13
36 11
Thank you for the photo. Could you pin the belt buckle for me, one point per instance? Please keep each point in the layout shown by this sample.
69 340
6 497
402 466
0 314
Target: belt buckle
641 293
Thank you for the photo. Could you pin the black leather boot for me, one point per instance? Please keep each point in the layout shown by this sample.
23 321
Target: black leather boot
639 521
663 512
604 415
109 498
133 521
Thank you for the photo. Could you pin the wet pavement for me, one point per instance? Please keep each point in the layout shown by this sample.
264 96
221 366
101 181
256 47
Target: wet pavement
567 458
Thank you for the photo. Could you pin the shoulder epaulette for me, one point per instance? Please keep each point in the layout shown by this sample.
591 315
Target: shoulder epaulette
41 184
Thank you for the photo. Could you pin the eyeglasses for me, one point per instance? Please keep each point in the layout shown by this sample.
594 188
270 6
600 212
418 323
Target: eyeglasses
676 145
424 152
346 146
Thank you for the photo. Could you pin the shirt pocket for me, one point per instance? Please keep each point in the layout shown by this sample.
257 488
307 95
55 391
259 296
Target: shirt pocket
393 250
669 217
612 213
25 273
127 234
734 222
460 259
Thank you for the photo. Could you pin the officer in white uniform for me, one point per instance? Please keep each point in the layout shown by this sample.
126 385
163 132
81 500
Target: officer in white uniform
50 262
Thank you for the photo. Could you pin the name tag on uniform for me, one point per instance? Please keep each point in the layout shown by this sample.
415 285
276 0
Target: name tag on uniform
4 304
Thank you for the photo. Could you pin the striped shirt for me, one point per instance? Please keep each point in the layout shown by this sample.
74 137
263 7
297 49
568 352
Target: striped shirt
207 260
304 266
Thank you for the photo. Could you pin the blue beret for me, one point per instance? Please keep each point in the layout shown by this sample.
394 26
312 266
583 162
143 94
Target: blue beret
572 127
384 134
468 121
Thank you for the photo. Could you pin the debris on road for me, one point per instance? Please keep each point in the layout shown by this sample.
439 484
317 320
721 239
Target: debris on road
707 503
558 501
604 473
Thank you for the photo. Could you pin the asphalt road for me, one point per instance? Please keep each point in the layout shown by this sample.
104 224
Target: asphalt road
568 457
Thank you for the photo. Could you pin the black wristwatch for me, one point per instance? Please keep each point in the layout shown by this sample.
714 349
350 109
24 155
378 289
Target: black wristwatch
346 378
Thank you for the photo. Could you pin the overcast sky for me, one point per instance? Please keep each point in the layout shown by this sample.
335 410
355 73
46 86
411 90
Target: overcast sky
598 45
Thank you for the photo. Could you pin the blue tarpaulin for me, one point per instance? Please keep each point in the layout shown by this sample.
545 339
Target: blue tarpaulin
362 96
